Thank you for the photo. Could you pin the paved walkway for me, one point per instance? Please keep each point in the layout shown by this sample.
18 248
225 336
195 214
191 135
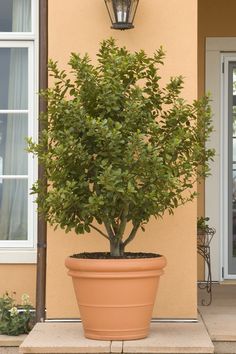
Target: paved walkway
220 317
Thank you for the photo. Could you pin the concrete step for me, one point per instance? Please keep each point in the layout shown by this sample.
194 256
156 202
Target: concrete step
220 324
222 330
220 318
225 347
10 344
68 338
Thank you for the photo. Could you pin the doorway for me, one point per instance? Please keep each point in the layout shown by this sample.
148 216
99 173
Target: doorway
229 124
220 193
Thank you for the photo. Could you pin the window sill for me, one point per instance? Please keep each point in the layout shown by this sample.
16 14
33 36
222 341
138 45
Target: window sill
14 256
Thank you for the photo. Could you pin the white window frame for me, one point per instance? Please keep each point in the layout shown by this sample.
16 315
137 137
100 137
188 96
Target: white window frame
24 251
33 34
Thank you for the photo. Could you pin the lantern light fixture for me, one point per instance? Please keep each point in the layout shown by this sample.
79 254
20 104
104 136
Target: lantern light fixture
122 13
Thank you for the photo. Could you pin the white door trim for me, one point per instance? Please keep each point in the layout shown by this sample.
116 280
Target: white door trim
216 200
226 58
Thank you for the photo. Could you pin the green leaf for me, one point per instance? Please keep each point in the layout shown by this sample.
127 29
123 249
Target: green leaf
116 138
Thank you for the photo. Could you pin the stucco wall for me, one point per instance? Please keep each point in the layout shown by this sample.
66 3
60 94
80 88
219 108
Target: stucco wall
215 19
20 278
80 26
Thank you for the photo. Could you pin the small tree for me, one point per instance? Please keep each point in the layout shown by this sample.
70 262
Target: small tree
118 148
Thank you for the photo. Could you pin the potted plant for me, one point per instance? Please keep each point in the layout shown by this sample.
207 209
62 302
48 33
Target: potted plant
118 149
205 233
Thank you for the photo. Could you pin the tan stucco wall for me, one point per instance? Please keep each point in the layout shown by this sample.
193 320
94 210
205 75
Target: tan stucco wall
80 26
18 278
215 19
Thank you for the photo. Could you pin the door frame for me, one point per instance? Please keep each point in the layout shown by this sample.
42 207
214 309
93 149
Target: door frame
216 186
226 58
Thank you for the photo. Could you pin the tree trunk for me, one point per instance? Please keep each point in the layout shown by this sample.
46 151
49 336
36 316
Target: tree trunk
122 249
116 249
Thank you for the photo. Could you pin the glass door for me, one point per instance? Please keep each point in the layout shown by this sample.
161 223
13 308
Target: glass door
232 166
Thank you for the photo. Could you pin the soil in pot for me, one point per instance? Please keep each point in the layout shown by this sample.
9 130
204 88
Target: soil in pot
107 255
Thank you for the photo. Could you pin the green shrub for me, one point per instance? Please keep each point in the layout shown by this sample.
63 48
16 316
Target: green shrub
15 319
118 148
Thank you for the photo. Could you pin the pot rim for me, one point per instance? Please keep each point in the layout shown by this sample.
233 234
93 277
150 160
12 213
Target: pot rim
104 265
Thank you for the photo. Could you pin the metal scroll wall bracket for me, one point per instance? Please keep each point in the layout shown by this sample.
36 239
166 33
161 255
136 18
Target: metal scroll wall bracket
204 238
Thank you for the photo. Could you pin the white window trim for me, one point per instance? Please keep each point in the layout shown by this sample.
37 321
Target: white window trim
17 36
24 251
33 34
23 256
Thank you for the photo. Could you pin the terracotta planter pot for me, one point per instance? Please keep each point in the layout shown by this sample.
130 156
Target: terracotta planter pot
116 297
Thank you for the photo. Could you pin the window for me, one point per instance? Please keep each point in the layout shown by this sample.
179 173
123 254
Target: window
15 16
18 119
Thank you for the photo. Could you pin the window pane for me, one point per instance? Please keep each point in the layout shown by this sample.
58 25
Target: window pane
14 78
13 156
15 15
13 209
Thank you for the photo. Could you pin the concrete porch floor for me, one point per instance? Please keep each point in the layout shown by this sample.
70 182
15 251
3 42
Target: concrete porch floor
220 317
214 333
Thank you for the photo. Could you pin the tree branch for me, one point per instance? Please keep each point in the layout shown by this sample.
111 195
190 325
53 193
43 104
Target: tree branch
131 235
123 222
102 233
109 229
115 227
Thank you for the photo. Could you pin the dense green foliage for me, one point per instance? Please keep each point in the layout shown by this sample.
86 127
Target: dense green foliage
15 319
118 148
202 223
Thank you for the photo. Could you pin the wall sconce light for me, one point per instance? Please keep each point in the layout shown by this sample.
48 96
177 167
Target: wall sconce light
122 13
